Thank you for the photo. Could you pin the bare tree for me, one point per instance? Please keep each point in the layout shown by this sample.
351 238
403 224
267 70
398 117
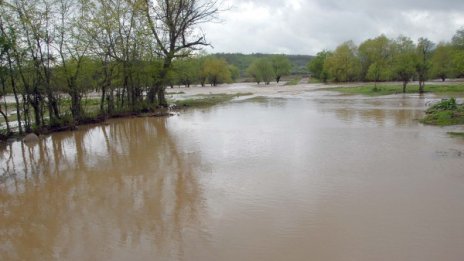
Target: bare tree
174 25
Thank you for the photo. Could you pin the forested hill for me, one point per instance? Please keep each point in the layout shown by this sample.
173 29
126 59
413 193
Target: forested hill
242 61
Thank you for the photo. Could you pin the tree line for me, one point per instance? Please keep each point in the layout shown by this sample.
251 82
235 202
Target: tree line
384 59
54 52
243 61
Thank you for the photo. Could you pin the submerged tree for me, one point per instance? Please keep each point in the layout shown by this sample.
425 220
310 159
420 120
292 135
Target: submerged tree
344 65
281 66
442 62
261 70
424 53
216 71
375 55
316 66
404 60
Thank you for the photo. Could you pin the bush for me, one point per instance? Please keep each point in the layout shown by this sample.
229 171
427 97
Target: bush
65 121
446 112
444 105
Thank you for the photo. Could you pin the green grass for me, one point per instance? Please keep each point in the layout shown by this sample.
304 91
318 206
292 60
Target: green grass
383 89
313 80
208 99
444 113
456 134
293 81
11 118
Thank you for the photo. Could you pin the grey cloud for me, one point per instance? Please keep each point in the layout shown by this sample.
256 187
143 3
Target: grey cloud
306 27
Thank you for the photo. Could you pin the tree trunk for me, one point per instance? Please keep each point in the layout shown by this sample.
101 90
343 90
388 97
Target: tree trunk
404 86
103 98
15 92
161 97
76 105
421 86
111 101
8 130
27 116
36 107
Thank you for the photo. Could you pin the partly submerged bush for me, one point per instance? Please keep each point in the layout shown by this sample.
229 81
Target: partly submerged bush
444 105
446 112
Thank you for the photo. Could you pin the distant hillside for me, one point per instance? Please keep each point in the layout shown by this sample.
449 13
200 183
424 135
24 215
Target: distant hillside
242 61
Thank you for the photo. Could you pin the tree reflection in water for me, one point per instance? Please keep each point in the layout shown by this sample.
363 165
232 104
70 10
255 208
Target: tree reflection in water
99 193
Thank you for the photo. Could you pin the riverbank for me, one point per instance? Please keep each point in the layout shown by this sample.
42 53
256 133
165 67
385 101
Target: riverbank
197 96
444 113
393 88
93 117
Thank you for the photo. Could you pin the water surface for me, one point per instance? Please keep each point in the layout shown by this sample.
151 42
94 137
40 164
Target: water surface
307 177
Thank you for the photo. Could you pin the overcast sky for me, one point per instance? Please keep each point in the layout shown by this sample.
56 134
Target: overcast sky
309 26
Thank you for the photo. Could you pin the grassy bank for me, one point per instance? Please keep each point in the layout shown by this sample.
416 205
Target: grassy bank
293 81
444 113
208 99
91 113
457 134
385 89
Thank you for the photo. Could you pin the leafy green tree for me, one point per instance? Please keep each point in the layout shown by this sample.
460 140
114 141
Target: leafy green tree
316 66
424 54
4 48
442 62
234 72
343 65
261 70
281 66
216 70
375 55
458 39
253 71
458 63
457 43
187 71
404 60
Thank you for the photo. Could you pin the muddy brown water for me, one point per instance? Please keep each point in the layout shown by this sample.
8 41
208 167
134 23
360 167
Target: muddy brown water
311 177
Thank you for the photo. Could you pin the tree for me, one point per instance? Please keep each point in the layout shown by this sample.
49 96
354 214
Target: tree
261 70
316 66
8 50
404 60
442 62
234 72
375 56
216 70
457 43
424 53
458 39
3 73
458 63
187 71
172 25
281 66
72 50
343 65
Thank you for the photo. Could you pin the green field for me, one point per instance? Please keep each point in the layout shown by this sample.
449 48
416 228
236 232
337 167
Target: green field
385 89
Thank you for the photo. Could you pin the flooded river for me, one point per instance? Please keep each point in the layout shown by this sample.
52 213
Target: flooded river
309 177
